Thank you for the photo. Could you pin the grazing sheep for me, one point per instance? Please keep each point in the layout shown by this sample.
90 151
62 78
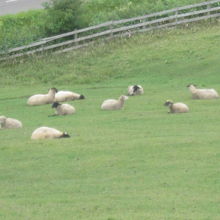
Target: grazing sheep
176 107
113 104
42 99
135 90
202 93
9 123
63 96
48 133
63 109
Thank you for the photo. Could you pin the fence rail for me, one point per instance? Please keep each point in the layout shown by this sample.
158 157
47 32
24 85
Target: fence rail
84 37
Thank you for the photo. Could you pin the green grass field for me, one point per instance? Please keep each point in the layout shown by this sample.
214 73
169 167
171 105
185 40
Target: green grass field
137 163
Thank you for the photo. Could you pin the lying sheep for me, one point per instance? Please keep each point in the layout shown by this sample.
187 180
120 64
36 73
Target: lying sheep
63 96
63 109
135 90
9 123
48 133
42 99
176 107
113 104
202 93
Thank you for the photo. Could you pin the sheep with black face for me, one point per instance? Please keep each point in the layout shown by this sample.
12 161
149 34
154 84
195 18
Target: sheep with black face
135 90
48 133
178 107
63 96
63 109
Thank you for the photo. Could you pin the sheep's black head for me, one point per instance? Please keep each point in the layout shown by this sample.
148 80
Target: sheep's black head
168 103
65 135
135 88
81 97
55 104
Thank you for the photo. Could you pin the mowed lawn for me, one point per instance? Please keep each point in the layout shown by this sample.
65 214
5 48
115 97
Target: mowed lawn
136 163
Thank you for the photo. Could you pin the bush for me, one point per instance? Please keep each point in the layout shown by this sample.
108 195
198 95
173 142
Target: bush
20 29
62 16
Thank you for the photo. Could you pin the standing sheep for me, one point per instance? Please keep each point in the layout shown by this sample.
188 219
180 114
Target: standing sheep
48 133
63 109
9 123
42 99
135 90
176 107
113 104
63 96
202 93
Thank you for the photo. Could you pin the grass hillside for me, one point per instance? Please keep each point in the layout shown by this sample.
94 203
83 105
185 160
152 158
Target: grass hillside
136 163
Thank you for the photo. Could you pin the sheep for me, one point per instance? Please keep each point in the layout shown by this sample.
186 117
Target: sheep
63 96
63 109
176 107
135 90
202 93
42 99
113 104
9 123
48 133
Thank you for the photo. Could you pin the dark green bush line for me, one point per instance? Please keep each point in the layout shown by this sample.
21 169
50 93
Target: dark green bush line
62 16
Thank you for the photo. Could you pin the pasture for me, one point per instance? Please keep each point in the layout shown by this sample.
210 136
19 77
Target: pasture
136 163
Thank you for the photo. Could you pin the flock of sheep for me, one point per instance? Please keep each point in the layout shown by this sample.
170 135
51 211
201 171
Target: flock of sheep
196 94
54 97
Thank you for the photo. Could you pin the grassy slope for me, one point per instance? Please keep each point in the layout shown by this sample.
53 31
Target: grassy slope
138 163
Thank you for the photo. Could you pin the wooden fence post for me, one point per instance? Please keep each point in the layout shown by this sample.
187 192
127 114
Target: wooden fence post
111 28
208 7
75 37
176 14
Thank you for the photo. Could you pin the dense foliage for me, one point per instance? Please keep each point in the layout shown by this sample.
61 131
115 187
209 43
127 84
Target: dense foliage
62 16
21 29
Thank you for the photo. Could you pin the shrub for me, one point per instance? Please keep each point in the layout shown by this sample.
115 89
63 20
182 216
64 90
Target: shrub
21 29
62 16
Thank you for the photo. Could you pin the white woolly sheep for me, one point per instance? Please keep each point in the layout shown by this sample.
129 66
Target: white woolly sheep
48 133
135 90
178 107
42 99
63 109
63 96
9 123
202 93
113 104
